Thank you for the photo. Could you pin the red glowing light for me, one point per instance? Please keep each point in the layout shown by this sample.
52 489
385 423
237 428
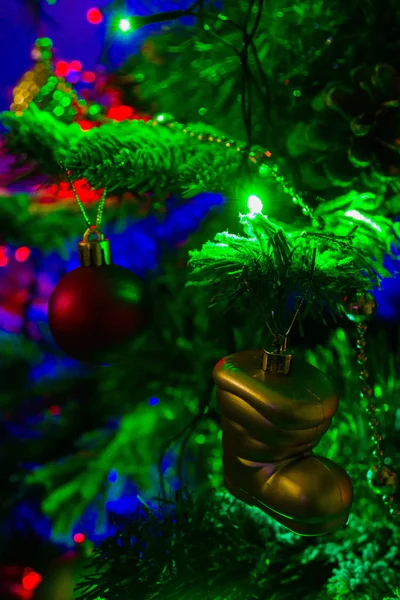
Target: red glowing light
120 113
22 254
62 191
62 68
286 81
79 538
86 125
88 76
94 16
31 580
75 65
268 153
55 410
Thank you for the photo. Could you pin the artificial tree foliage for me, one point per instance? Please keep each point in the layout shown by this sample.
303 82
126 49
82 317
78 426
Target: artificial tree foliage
241 104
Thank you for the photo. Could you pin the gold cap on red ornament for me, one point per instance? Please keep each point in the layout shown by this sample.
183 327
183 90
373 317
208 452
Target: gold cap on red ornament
94 253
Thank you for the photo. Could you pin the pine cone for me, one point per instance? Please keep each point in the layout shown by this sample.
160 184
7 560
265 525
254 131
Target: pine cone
372 110
361 139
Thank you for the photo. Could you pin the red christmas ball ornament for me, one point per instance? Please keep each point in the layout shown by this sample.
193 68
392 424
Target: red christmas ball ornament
96 310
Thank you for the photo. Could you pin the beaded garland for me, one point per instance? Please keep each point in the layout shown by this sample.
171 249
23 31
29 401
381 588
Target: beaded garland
383 480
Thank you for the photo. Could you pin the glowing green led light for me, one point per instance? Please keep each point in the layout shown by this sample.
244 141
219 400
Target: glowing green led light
297 93
200 439
354 214
202 111
160 118
124 25
58 111
65 101
254 204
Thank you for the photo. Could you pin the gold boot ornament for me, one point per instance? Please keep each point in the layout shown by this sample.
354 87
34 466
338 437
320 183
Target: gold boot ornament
275 409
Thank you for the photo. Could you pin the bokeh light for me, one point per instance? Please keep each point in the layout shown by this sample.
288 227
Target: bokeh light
94 16
75 65
88 76
30 580
124 25
21 254
62 68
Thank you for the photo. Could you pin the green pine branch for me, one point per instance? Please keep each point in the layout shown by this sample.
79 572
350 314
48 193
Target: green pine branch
130 155
127 156
147 157
272 267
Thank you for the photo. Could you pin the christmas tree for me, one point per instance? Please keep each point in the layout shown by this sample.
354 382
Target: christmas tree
244 169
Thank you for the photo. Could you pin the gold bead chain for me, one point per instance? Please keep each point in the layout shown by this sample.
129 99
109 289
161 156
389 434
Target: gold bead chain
381 477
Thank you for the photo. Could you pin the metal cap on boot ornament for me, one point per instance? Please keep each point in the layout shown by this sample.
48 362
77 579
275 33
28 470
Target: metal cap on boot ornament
278 363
